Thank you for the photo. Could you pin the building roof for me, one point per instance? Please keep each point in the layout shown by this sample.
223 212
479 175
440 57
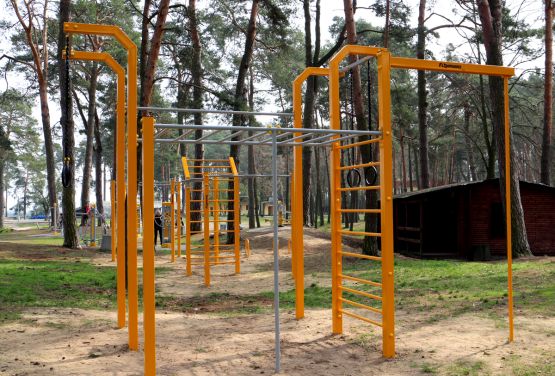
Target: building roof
464 184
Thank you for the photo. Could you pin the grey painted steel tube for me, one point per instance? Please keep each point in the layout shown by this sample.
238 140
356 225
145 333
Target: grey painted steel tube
276 252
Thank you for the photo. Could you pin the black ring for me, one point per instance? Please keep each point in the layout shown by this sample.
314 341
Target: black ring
357 179
66 176
370 175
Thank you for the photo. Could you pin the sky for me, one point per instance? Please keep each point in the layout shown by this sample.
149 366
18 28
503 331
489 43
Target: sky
530 10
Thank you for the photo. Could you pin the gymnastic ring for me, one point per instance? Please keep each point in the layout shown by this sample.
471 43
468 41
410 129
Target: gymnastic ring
356 181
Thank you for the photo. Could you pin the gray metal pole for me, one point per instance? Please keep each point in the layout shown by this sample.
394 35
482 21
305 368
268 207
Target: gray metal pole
276 251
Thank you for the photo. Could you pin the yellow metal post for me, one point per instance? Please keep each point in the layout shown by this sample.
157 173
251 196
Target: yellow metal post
386 198
188 229
236 216
172 218
216 213
508 211
149 304
113 217
179 188
297 258
131 235
335 173
206 212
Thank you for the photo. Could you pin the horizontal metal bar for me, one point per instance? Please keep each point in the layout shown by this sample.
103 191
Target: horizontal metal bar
370 321
364 233
339 139
361 293
203 111
374 211
356 63
359 255
363 188
363 306
360 165
360 280
360 143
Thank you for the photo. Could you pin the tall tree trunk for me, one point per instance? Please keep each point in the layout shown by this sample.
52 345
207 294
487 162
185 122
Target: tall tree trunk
491 16
403 164
68 131
2 201
469 153
250 157
370 244
89 130
240 103
98 168
548 96
422 99
196 72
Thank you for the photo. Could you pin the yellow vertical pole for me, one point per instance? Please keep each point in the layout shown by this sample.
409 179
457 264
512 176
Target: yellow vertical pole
188 229
216 212
131 232
149 306
297 258
113 217
236 217
335 173
172 218
508 211
386 198
179 188
206 213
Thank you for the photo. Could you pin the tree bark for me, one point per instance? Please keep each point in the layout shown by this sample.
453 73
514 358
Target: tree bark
370 244
196 72
491 16
469 153
89 130
2 201
422 100
548 96
68 138
240 103
98 169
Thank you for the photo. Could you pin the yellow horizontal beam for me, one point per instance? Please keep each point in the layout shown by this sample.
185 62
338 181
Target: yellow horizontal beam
451 67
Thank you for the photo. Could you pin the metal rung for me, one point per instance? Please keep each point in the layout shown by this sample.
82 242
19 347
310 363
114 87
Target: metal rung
356 279
208 160
360 317
221 200
376 211
204 166
358 255
362 293
360 143
196 200
363 188
364 233
361 165
363 306
223 263
196 221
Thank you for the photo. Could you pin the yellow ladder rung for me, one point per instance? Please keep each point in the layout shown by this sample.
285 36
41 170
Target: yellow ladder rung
362 293
360 143
377 211
356 279
363 306
364 233
352 167
363 188
370 321
359 255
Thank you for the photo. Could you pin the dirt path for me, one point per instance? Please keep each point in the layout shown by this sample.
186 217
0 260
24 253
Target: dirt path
86 342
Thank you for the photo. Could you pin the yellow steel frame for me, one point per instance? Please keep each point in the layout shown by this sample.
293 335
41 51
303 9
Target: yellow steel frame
297 258
131 232
211 200
384 62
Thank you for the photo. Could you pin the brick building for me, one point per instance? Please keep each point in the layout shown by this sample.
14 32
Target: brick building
467 219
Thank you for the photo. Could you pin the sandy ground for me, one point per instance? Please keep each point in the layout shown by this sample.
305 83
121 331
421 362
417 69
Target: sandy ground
86 342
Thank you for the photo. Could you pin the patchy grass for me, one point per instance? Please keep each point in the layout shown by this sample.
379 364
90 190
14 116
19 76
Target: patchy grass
223 304
526 367
447 288
54 284
467 368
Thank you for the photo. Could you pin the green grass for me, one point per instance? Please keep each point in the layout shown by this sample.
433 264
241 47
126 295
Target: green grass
54 284
454 286
467 368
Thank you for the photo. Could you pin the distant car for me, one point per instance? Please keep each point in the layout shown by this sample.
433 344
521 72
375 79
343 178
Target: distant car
39 216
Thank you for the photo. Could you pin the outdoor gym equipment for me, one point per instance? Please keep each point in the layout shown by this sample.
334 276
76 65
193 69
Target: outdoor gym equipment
214 176
283 137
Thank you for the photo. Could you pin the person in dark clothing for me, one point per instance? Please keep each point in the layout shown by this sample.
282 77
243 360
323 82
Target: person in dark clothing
158 225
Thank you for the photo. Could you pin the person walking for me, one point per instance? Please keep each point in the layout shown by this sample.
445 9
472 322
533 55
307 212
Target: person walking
158 225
